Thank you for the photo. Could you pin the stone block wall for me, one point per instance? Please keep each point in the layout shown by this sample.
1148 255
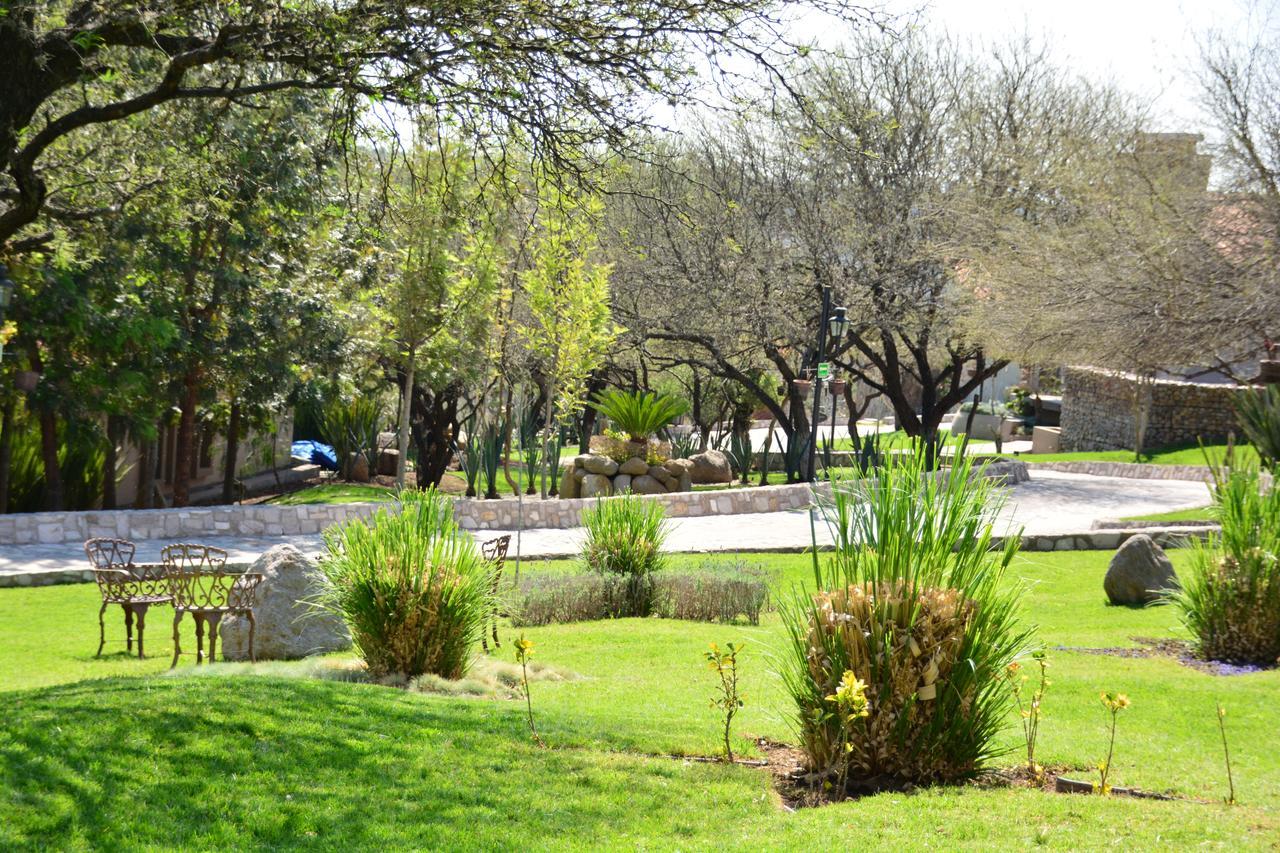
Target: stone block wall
177 525
1098 411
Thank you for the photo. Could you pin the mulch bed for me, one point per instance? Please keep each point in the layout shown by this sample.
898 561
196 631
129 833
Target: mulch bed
798 789
1179 650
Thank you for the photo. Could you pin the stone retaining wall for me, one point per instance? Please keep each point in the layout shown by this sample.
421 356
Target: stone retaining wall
503 514
1098 411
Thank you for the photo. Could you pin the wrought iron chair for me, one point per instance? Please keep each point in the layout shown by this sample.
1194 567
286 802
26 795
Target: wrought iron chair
495 554
135 587
200 586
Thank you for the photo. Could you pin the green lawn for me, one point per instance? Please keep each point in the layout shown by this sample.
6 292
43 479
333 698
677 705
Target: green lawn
106 753
1195 514
1180 455
334 493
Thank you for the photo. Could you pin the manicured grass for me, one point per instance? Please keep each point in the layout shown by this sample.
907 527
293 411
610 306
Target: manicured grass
334 493
138 761
1195 514
1180 455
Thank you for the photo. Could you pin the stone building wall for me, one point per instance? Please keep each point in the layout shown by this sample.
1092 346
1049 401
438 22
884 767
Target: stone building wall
1098 411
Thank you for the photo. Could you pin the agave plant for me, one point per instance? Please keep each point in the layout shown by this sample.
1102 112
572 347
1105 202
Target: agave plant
1258 414
741 454
351 428
913 609
470 457
637 413
491 441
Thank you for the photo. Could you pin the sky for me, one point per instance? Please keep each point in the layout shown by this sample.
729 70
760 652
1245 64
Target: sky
1146 46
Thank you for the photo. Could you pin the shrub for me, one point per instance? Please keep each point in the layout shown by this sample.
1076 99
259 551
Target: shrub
1230 600
911 604
638 414
411 586
703 596
624 538
1258 413
351 427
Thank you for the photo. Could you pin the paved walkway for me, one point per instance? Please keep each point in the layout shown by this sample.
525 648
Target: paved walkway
1050 503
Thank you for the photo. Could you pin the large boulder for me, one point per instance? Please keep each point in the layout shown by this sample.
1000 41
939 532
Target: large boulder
646 485
595 486
568 483
622 484
594 464
287 627
388 457
710 466
682 470
635 466
1138 572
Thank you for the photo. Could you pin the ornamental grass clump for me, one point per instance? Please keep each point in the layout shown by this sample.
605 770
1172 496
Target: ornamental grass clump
411 586
624 539
912 607
1230 600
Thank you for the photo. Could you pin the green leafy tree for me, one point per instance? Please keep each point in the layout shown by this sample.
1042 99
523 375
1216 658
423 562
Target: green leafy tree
569 330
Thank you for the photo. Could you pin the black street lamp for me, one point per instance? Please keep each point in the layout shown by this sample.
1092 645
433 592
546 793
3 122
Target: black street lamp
832 322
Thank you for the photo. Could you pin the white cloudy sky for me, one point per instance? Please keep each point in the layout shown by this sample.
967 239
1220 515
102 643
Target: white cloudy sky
1145 45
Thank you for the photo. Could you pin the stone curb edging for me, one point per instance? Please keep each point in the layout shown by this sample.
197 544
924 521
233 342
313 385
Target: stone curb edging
1118 524
310 519
1133 470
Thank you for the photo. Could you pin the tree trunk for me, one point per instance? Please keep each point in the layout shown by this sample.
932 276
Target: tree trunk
432 424
230 462
186 441
142 498
546 440
6 451
111 465
402 427
53 489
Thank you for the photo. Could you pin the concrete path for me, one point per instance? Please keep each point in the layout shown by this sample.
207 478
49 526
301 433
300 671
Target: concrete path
1050 503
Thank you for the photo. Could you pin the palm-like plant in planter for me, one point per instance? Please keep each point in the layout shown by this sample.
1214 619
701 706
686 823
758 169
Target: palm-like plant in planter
637 413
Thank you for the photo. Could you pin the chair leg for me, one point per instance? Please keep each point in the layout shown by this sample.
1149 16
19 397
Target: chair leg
496 644
177 643
214 619
128 627
253 658
140 611
199 617
102 629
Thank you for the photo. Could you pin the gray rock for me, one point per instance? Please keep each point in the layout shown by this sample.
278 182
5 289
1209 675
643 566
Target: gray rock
568 484
685 484
710 466
646 485
287 627
596 486
621 484
676 467
599 465
663 476
1138 571
635 466
387 459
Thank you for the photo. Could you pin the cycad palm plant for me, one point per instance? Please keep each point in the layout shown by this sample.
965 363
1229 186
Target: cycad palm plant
637 413
913 606
1258 413
411 586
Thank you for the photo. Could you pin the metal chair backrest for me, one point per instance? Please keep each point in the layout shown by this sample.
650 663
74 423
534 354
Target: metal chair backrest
186 557
110 553
495 551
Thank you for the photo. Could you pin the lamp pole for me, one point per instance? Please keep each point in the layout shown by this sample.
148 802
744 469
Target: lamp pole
835 320
812 473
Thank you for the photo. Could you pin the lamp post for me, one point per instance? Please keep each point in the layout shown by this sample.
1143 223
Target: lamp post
833 321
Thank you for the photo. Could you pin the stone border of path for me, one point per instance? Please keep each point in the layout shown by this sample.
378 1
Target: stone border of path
1093 540
1131 470
503 514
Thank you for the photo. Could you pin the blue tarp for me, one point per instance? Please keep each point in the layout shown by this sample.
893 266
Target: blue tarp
316 452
